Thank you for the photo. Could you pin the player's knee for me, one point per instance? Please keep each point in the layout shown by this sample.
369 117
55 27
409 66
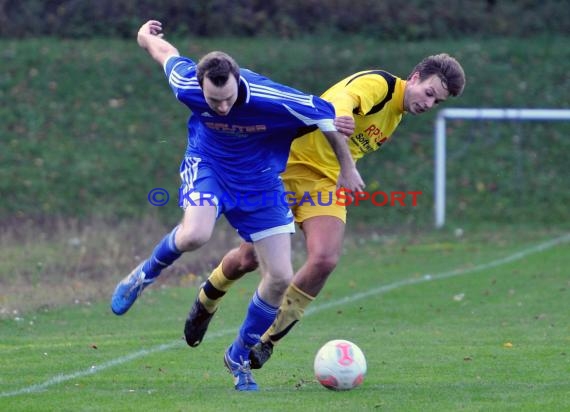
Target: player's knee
280 282
279 277
248 260
248 263
190 240
323 264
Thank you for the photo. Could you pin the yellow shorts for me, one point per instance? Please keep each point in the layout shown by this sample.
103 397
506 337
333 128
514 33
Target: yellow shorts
311 194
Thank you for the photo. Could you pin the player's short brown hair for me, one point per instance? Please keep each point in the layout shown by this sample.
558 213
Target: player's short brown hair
446 68
218 67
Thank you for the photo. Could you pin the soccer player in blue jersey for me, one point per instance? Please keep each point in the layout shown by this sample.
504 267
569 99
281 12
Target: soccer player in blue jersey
375 101
239 136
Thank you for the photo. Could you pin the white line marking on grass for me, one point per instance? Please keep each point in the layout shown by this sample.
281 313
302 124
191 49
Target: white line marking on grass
347 299
94 369
457 272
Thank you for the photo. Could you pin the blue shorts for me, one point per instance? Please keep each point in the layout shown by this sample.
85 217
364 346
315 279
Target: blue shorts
255 214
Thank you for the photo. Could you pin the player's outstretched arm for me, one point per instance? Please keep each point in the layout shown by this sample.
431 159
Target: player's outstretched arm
349 177
150 38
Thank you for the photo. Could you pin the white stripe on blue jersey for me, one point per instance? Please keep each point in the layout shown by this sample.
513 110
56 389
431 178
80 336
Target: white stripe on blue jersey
189 170
249 147
182 82
326 125
273 93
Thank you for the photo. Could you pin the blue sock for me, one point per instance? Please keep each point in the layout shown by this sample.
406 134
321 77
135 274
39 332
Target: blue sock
260 315
163 255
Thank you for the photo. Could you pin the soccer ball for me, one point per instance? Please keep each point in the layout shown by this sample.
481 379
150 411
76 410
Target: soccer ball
340 365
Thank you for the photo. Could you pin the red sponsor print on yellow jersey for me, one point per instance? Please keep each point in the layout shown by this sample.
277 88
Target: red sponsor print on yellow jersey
376 133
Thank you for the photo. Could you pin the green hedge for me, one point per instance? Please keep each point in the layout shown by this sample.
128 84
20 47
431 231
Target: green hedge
408 20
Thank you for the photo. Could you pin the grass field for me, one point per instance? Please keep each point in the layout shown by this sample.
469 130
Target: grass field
477 322
97 146
471 323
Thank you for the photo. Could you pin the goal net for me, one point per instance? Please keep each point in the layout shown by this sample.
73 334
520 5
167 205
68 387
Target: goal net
502 165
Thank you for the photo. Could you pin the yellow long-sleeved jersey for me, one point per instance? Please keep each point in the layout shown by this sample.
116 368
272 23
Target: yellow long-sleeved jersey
375 99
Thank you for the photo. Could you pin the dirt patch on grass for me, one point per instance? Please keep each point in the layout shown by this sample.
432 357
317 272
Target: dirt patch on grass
65 262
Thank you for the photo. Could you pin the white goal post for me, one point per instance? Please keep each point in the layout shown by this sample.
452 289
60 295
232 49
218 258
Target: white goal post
476 114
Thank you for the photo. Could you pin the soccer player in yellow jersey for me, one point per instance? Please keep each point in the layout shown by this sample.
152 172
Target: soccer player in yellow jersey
369 107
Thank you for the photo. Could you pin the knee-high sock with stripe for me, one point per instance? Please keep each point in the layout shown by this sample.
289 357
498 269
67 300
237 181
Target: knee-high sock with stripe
163 255
214 289
259 317
292 308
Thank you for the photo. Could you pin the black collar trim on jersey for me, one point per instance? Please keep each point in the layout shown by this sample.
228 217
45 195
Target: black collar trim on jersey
390 79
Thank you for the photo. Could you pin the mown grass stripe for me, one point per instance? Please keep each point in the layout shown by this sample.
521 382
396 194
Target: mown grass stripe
347 299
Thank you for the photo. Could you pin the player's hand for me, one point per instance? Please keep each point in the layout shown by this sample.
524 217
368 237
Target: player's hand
345 125
350 179
152 28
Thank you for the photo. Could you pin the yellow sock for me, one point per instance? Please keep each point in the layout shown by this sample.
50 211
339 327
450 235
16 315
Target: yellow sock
290 312
214 289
